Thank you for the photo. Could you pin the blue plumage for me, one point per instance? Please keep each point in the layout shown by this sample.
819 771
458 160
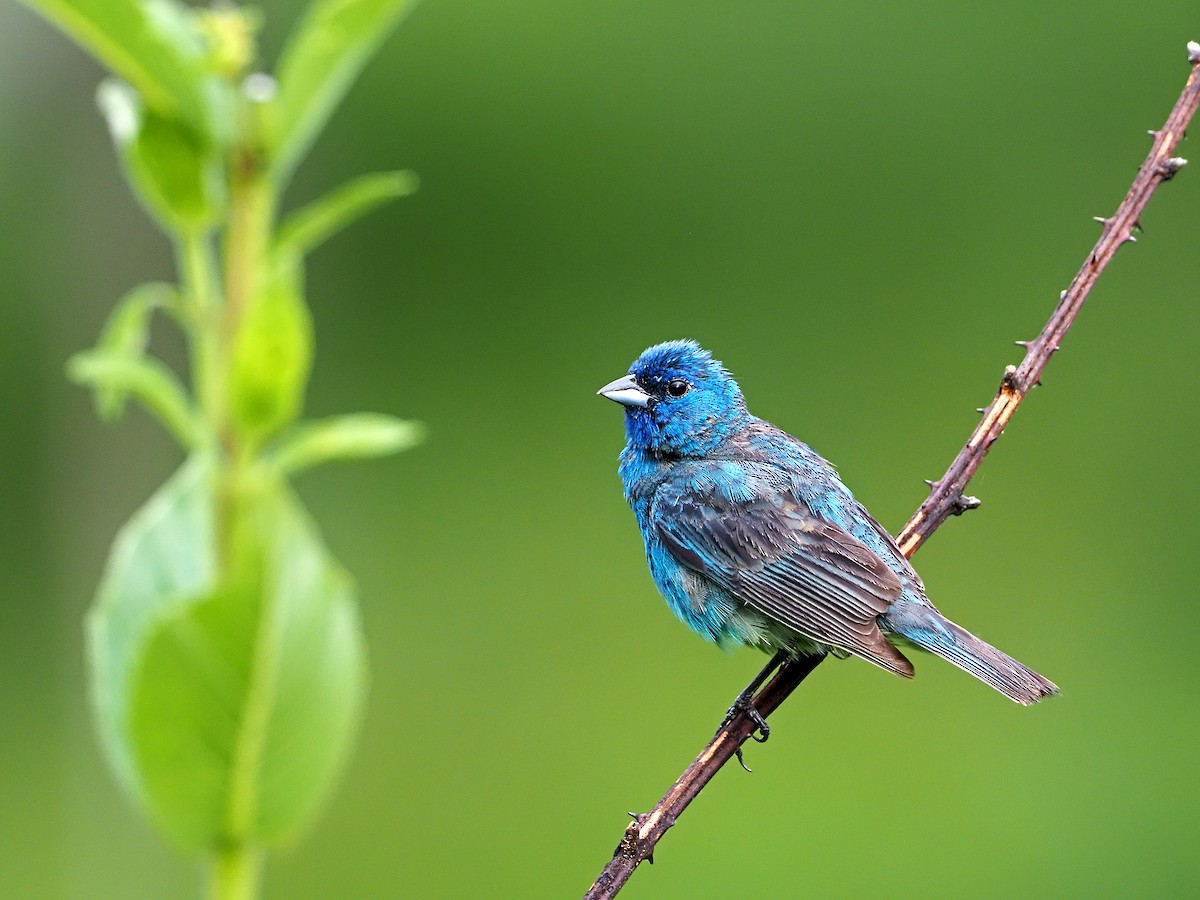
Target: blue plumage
753 539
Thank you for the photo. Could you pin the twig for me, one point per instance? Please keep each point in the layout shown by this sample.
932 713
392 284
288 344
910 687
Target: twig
946 496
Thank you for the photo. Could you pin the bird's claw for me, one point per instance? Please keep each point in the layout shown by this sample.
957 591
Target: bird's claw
741 761
761 731
745 704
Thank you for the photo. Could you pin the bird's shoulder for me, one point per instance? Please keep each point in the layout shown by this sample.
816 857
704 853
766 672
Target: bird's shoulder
761 461
758 462
761 441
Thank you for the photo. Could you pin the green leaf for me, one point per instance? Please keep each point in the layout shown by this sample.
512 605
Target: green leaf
125 336
323 56
357 436
147 380
156 46
177 176
314 224
272 352
164 556
311 703
227 700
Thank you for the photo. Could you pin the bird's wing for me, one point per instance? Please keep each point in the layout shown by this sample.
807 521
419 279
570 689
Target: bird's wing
776 556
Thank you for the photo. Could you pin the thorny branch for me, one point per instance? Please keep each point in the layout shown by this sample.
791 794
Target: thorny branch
946 496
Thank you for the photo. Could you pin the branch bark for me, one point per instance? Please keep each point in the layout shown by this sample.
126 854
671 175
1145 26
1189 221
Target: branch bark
946 497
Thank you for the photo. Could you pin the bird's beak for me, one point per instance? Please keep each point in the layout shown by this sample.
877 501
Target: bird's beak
625 391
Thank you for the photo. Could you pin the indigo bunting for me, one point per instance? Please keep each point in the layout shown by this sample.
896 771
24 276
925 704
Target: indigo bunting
753 539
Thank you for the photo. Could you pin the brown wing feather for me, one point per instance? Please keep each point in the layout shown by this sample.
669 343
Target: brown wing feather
776 557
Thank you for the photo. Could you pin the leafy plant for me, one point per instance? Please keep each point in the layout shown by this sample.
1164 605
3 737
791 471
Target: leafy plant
227 662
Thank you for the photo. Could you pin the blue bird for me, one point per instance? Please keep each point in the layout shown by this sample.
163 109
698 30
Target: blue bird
754 541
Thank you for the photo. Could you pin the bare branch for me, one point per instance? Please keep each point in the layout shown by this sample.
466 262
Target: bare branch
946 497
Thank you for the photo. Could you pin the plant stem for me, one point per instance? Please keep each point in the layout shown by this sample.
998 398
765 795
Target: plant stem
235 873
201 309
247 247
251 209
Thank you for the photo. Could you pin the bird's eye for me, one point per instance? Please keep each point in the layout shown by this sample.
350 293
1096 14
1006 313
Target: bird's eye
677 387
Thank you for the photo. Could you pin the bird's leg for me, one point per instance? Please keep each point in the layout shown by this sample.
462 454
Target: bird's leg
745 701
745 704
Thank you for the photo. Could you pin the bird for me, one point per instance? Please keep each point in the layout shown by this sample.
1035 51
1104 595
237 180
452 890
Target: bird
753 539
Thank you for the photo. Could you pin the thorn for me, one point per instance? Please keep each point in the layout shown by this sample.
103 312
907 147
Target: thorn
959 504
1171 166
633 816
1062 295
1138 225
979 409
1193 49
1153 133
962 503
1129 239
932 484
1101 219
1022 344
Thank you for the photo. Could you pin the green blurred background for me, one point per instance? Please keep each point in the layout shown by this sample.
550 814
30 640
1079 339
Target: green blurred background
858 207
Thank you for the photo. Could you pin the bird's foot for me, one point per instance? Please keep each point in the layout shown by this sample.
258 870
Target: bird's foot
761 731
745 704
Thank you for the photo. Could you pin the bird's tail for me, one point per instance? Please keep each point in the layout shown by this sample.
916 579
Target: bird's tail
930 630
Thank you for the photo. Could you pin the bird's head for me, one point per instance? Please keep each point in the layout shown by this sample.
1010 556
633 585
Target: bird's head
678 401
